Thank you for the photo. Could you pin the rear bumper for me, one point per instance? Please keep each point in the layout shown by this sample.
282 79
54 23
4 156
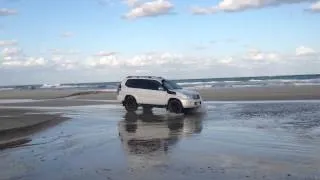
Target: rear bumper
120 99
191 103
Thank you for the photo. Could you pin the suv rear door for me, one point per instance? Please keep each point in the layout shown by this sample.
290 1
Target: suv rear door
134 88
146 91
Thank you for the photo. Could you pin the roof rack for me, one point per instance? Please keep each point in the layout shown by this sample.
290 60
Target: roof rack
150 77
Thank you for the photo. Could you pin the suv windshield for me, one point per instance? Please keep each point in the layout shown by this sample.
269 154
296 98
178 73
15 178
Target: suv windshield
171 85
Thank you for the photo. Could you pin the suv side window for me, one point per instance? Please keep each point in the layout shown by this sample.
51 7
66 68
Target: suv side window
151 84
143 84
132 83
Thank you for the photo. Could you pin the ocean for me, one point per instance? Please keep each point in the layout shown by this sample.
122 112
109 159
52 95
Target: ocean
231 82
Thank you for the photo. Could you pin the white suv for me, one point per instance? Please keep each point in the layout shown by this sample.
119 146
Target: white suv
151 91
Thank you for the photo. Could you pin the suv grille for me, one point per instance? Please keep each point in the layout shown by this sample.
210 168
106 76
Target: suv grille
196 96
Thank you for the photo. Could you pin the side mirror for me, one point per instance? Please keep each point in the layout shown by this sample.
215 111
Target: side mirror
160 88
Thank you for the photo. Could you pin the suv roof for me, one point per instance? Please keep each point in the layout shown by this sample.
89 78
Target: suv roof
145 77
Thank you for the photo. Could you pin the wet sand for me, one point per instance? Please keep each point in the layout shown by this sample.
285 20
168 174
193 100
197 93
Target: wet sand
224 140
11 119
40 94
228 139
17 124
214 94
57 103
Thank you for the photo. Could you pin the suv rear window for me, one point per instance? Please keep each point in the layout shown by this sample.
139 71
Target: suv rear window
132 83
143 84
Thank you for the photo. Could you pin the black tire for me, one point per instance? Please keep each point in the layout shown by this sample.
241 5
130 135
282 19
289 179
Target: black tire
130 104
175 106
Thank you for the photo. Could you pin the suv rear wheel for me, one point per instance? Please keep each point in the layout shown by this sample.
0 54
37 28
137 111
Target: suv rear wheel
130 104
175 106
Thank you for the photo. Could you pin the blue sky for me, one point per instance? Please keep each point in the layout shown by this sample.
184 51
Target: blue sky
105 40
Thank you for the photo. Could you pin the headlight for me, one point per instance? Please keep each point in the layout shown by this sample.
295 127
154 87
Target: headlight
191 96
187 96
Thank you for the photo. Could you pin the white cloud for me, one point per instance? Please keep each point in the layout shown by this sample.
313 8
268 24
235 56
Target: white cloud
55 63
315 7
142 71
12 51
155 59
204 11
25 62
304 51
64 52
105 53
62 59
5 43
227 60
10 63
171 64
241 5
102 62
63 62
7 12
67 34
141 60
168 60
66 64
152 8
14 57
35 61
9 58
256 55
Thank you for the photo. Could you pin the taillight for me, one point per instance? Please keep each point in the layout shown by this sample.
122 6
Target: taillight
119 88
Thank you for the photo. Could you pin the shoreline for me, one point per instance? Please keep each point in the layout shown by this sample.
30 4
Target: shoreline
262 93
307 92
23 112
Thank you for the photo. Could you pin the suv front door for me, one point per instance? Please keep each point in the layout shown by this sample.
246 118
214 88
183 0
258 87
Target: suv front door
153 94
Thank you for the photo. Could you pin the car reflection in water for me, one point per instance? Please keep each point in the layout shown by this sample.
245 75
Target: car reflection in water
148 138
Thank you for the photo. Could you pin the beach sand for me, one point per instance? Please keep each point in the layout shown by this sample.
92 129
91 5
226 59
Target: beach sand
226 139
214 94
17 124
35 99
256 140
262 93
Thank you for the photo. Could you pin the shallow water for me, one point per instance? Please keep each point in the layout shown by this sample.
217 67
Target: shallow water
7 101
256 140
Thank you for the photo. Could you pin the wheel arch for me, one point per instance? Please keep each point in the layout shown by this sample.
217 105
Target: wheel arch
173 98
128 95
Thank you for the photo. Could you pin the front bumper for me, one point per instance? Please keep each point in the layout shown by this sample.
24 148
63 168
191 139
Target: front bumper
191 103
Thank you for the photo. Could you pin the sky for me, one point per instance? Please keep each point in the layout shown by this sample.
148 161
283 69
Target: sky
59 41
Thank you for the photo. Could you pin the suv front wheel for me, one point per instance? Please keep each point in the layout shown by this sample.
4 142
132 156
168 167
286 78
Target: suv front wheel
175 106
130 104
